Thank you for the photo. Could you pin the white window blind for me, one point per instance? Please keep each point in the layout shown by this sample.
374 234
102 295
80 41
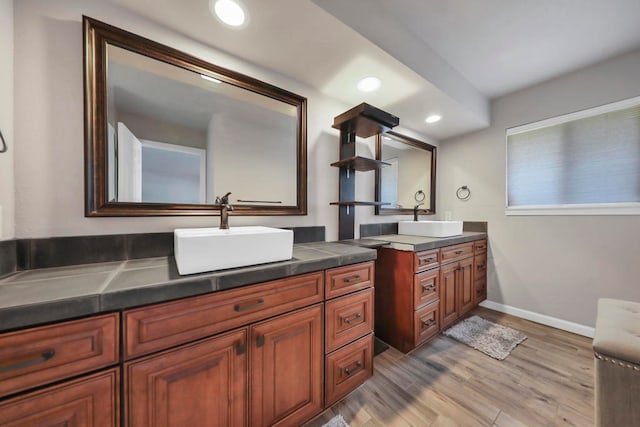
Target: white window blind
587 161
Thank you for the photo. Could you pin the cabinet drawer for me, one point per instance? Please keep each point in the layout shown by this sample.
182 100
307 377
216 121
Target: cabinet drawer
344 280
425 323
425 288
41 355
88 402
165 325
347 368
348 318
426 260
480 247
456 253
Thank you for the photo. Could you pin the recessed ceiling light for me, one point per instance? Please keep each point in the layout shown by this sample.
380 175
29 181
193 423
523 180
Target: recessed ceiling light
369 84
211 79
433 118
228 11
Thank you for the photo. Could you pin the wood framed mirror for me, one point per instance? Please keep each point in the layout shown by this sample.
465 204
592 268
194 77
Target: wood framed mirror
411 177
166 133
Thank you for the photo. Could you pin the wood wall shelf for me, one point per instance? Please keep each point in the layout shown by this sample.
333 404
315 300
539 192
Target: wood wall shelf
361 164
363 120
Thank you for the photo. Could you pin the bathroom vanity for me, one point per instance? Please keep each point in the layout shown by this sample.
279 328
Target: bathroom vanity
425 284
262 345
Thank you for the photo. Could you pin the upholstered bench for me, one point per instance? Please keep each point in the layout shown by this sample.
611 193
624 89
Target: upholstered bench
616 346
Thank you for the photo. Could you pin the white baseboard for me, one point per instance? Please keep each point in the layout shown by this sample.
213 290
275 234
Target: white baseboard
554 322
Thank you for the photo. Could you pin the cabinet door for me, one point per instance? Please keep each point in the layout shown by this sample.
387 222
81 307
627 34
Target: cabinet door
448 300
287 368
194 385
88 402
465 286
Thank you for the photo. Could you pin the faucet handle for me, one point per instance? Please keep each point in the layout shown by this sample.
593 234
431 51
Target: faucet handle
224 200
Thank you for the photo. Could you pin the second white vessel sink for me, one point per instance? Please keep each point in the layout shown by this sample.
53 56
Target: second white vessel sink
208 249
430 228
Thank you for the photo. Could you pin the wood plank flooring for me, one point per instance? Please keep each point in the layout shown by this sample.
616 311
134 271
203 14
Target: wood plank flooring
546 381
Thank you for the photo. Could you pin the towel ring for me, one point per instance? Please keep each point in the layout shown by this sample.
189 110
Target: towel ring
4 147
419 196
463 193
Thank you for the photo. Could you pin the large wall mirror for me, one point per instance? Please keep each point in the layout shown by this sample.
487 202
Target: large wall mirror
410 178
165 133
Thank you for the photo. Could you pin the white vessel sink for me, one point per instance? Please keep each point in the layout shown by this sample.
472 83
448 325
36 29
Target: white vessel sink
208 249
430 228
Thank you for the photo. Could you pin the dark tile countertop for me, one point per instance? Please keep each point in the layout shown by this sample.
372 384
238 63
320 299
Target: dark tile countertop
33 297
404 242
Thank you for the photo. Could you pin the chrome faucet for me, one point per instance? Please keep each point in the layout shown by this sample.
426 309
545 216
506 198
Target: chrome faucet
415 211
225 207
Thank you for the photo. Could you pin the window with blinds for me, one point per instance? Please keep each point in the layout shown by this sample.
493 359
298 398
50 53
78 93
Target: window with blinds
581 163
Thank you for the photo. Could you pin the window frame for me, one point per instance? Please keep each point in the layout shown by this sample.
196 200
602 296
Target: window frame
623 208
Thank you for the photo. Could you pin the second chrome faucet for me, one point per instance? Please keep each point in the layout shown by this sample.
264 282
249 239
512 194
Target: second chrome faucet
225 207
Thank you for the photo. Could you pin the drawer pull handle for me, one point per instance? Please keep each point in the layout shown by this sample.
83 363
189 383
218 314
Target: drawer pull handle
43 357
353 319
458 252
426 261
241 348
480 266
480 247
428 288
429 323
239 307
349 371
352 279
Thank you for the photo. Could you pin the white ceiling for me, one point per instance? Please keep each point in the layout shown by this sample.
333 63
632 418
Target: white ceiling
449 57
504 45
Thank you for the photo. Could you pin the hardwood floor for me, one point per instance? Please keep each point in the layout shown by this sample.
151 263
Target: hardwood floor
546 381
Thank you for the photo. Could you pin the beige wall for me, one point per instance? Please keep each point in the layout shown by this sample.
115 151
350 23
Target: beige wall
49 127
7 191
551 265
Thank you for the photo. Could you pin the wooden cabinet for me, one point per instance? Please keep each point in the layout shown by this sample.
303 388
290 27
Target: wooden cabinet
277 362
91 401
251 356
405 283
420 293
199 384
287 368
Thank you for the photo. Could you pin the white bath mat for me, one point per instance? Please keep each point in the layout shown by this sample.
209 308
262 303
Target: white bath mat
336 421
490 338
